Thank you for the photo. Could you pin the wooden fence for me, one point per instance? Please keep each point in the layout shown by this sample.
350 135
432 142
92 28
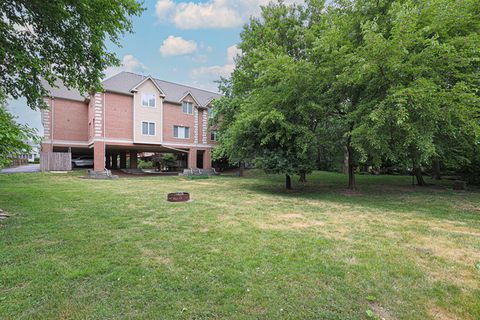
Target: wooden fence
55 161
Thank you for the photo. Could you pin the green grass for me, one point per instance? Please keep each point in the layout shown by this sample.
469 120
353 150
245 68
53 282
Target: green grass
244 248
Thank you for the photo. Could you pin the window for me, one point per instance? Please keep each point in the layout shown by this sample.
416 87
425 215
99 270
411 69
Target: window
210 113
181 132
187 107
148 100
148 128
213 135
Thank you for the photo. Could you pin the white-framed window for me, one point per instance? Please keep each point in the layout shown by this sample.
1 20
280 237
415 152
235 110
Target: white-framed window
210 113
213 135
149 100
187 107
181 132
148 128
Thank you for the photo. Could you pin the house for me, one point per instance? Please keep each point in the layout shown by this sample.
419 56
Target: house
33 154
135 114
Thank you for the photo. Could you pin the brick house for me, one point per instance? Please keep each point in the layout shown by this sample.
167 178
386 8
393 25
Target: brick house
134 114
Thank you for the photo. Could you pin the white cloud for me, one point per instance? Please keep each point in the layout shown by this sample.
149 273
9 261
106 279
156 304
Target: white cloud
205 76
163 8
232 53
212 13
128 63
177 46
213 71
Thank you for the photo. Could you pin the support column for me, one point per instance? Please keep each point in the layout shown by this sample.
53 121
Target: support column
47 147
123 160
133 159
207 159
98 156
114 161
192 158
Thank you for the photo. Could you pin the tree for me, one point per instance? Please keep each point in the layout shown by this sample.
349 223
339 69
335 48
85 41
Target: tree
164 160
342 88
274 126
224 113
427 57
63 39
13 136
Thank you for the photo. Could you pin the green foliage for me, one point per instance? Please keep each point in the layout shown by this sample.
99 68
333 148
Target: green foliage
13 136
145 164
169 159
267 116
389 82
164 160
426 55
61 39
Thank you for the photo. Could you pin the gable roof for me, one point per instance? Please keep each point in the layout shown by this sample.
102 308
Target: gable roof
188 93
124 82
143 81
63 92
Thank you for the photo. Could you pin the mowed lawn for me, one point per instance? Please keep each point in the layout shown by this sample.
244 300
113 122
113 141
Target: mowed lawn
244 248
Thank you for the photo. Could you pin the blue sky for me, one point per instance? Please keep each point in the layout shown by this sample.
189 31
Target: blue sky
185 41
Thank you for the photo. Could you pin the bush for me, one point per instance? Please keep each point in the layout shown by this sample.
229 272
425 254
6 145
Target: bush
145 164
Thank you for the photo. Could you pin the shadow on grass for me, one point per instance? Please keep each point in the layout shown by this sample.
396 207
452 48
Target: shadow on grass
381 193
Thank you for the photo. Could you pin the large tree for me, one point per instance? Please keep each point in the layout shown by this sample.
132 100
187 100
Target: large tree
272 87
61 39
393 81
427 59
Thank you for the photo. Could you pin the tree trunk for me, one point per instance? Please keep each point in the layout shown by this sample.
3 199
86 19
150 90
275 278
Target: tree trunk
417 171
288 182
351 169
303 177
436 169
345 161
241 170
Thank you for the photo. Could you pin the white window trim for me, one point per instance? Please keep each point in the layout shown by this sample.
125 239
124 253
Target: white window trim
149 122
173 132
213 133
191 114
147 93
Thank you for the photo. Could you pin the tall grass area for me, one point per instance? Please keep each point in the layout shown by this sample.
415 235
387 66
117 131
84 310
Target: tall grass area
244 248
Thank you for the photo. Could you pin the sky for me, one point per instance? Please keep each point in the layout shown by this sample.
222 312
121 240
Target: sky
190 42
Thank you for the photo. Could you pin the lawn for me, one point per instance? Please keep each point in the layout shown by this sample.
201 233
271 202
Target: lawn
244 248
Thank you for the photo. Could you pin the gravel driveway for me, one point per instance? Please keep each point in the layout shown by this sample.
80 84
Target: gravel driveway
22 169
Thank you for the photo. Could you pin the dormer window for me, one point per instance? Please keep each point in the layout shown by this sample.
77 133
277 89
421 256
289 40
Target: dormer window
187 107
149 100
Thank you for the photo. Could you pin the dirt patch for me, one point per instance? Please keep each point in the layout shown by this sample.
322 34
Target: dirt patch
465 206
152 255
428 250
290 226
438 313
446 249
381 312
458 230
292 216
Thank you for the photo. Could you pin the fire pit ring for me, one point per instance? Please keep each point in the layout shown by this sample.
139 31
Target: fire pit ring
178 197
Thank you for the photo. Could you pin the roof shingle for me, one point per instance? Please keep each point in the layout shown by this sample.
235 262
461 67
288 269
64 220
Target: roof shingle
124 82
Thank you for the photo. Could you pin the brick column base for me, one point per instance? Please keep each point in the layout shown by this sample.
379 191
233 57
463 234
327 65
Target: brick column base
133 159
98 156
192 158
207 159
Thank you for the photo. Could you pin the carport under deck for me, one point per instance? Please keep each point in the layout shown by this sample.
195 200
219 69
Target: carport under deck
117 156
